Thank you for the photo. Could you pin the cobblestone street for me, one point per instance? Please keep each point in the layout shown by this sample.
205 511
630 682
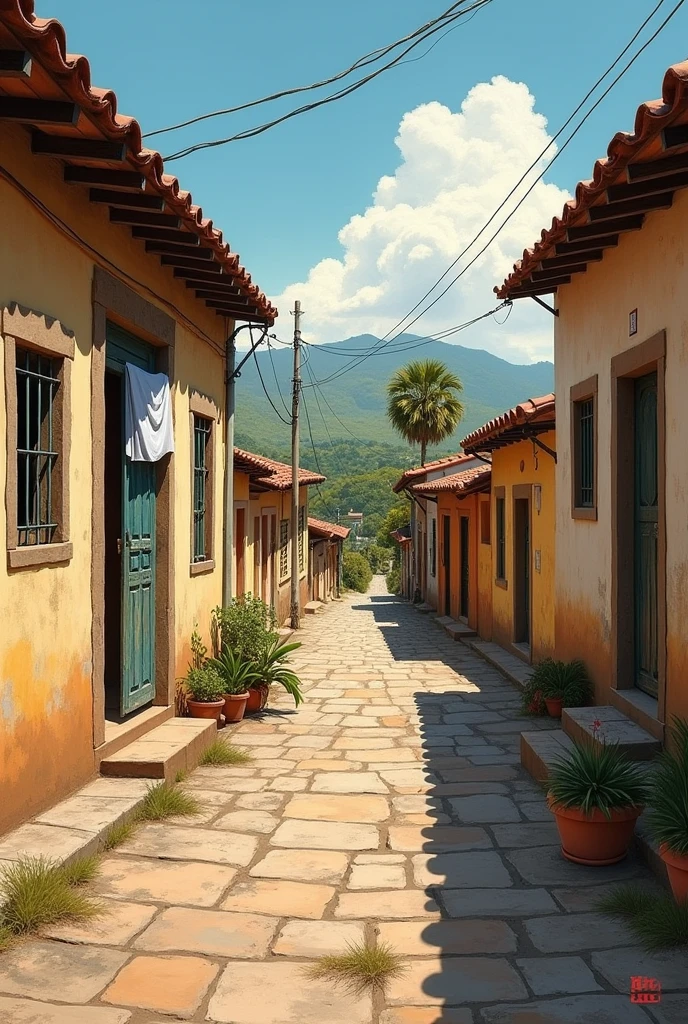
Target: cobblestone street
392 805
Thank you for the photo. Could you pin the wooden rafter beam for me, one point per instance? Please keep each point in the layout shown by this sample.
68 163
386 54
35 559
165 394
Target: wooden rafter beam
239 312
650 186
75 146
583 246
572 260
531 288
167 235
229 294
126 200
185 251
219 301
15 64
627 207
675 135
604 227
168 220
555 273
211 274
185 262
656 168
35 111
80 175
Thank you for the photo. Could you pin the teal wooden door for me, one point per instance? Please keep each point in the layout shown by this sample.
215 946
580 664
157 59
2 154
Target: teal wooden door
137 650
646 521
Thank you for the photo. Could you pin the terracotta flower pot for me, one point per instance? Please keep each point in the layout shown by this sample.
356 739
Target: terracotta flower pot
554 706
677 870
593 838
235 706
205 709
257 698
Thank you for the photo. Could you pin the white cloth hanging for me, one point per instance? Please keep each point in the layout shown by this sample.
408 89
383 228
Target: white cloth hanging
148 430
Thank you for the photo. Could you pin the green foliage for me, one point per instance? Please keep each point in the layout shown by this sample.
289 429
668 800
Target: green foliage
247 626
363 967
270 669
656 920
204 685
163 801
378 557
667 817
566 679
423 404
369 492
597 777
80 871
37 891
198 649
235 671
356 571
394 580
396 519
119 834
222 753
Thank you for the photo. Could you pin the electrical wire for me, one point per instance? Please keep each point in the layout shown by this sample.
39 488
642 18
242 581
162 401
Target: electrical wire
315 456
341 94
368 58
340 468
287 423
279 389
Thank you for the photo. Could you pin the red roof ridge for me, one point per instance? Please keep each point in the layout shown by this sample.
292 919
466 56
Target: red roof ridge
276 475
46 39
467 480
333 529
444 462
530 410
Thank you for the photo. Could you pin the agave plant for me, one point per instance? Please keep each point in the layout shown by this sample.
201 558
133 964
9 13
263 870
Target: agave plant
270 669
597 777
237 674
668 815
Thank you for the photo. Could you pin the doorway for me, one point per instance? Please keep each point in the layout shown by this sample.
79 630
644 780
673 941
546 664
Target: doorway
446 561
646 534
522 571
129 512
464 568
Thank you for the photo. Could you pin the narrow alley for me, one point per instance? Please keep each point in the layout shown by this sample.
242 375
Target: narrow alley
392 805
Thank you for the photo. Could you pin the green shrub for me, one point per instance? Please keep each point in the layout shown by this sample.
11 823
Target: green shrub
668 814
566 679
235 671
247 626
204 684
394 580
356 571
597 777
378 557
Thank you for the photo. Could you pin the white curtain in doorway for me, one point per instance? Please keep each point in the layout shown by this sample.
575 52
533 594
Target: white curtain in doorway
148 429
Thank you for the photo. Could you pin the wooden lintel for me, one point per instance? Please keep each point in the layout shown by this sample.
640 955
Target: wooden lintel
72 145
572 260
167 235
627 207
583 246
183 251
554 274
605 227
185 262
145 217
33 111
77 174
126 200
675 135
657 168
15 64
650 186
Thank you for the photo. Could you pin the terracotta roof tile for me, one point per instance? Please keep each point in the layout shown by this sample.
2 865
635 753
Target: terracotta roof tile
446 462
644 143
46 41
468 481
325 529
509 426
274 476
402 535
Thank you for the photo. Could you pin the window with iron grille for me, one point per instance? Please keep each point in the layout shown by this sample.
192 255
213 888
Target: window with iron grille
302 534
584 452
202 489
38 453
433 547
500 525
284 549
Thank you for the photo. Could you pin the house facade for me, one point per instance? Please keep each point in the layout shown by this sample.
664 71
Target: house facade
104 263
325 542
615 259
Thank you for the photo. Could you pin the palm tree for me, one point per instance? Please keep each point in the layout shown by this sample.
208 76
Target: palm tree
423 404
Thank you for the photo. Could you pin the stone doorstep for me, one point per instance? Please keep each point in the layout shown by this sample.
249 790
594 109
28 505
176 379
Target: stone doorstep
515 670
458 630
313 607
615 727
174 746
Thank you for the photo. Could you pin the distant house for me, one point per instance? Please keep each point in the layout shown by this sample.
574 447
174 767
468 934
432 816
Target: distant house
616 259
325 542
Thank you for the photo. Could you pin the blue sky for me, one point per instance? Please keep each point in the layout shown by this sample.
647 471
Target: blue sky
281 199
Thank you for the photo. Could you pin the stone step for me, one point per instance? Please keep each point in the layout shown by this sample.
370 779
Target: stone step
424 608
173 747
515 670
459 630
313 607
538 749
615 727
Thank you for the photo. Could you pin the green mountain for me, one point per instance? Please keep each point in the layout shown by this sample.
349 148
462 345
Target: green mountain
352 406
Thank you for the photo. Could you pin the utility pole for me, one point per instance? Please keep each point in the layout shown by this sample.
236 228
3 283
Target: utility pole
295 602
230 403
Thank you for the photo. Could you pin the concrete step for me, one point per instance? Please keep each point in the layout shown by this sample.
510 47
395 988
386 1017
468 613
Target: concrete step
313 607
539 748
121 734
459 630
173 747
515 670
424 608
615 727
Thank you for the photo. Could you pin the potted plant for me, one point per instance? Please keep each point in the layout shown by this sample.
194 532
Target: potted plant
205 689
237 674
596 795
270 670
668 814
560 684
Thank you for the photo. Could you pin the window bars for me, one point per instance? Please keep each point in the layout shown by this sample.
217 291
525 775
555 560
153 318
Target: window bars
37 387
586 453
202 428
284 549
500 507
302 532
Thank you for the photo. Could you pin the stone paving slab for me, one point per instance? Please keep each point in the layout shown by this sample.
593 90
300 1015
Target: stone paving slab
453 981
596 1009
447 938
140 879
174 984
216 933
28 1011
80 972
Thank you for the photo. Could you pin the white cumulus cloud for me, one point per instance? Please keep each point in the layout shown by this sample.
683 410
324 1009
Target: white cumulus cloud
455 169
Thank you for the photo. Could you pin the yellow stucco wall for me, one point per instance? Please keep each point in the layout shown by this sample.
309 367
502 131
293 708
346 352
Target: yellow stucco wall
646 271
46 710
513 466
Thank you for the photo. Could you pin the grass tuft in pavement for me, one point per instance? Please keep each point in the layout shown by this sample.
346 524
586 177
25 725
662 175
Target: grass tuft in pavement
36 892
222 753
162 801
80 871
119 834
363 967
657 920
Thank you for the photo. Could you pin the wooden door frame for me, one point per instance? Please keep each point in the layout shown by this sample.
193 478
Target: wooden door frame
115 301
647 357
522 492
446 563
466 516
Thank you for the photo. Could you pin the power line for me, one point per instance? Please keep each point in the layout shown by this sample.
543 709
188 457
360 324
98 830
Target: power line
287 423
340 94
368 58
315 456
383 342
327 429
274 373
